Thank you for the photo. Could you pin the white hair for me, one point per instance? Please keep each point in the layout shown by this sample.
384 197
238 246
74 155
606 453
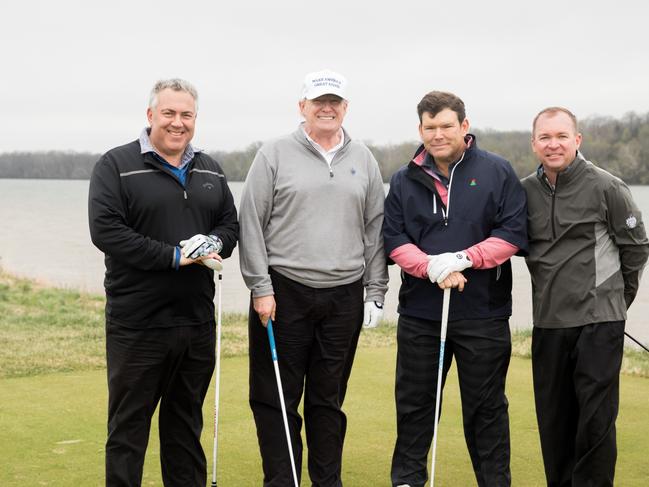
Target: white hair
175 84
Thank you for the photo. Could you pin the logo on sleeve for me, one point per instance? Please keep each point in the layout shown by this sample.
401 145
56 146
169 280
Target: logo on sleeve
631 222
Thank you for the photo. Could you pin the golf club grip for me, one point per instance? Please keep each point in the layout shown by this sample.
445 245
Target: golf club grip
445 305
271 339
213 264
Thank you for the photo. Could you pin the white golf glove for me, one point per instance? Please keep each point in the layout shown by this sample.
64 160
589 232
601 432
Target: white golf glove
441 265
372 314
200 245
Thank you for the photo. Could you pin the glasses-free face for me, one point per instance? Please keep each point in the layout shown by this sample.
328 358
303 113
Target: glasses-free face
172 123
443 135
555 141
323 115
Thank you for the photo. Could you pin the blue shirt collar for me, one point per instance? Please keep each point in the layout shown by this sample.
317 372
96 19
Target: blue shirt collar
147 146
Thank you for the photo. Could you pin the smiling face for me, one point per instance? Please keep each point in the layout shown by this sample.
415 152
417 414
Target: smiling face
443 135
172 122
555 142
323 116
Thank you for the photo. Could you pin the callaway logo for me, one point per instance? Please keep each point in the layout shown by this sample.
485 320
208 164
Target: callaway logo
208 186
631 222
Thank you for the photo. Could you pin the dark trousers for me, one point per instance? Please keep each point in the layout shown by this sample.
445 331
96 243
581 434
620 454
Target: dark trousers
172 366
576 389
316 333
482 350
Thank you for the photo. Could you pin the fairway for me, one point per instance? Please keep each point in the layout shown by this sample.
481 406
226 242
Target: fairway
52 429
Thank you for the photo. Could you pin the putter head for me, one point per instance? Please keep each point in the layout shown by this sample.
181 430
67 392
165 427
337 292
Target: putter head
213 264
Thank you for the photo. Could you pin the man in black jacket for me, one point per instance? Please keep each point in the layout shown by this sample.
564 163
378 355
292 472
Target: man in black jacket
160 210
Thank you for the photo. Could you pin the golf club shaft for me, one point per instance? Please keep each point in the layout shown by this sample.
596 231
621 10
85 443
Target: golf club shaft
442 343
217 386
647 349
273 352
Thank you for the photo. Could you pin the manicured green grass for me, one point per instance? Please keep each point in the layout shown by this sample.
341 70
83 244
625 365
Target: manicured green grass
53 404
52 429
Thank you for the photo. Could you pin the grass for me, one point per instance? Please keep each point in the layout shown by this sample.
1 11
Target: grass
53 411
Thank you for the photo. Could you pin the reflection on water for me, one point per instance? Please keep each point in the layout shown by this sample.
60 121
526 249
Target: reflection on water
45 236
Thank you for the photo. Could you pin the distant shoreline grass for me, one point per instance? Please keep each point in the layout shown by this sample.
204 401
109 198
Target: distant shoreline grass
47 330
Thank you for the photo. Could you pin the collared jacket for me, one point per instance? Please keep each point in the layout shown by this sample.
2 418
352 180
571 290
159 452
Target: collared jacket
138 213
485 199
588 246
316 224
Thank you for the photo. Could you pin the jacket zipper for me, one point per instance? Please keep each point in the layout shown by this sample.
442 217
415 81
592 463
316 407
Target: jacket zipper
448 194
554 192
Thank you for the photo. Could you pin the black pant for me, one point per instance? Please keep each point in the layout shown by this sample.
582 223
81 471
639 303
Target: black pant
482 350
170 365
576 389
316 333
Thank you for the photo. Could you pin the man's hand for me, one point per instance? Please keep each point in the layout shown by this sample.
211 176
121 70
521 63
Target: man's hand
454 279
441 265
265 308
372 314
213 261
200 245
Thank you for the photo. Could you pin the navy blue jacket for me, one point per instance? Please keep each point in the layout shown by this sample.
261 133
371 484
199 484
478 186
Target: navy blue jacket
485 200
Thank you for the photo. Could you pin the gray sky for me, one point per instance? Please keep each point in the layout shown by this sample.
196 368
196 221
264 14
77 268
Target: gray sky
76 75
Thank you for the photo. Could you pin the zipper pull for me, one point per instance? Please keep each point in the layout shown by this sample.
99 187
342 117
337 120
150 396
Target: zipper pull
185 194
331 172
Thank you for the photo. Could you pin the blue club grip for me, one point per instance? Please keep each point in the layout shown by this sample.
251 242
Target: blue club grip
271 340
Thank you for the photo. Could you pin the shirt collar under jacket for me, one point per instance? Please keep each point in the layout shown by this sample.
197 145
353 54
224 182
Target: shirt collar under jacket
427 162
327 154
147 146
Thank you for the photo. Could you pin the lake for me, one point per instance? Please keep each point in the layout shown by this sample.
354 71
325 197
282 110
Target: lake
45 236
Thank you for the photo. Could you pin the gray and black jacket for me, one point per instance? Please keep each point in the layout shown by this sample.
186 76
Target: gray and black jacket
587 246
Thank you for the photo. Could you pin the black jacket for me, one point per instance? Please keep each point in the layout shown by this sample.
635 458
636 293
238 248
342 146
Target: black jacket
138 213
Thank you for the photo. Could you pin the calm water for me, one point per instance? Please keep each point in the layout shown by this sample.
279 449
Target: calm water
45 236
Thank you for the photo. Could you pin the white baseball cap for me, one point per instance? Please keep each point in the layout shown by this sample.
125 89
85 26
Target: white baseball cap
325 82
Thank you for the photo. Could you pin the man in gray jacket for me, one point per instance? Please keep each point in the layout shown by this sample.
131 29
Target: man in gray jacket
587 248
311 246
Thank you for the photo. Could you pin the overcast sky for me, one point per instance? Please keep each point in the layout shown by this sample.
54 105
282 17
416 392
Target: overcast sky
76 74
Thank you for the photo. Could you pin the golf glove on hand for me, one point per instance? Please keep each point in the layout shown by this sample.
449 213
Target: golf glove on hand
372 314
200 245
441 265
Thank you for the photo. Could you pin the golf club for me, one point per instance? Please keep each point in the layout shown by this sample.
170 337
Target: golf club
273 352
646 349
217 379
442 342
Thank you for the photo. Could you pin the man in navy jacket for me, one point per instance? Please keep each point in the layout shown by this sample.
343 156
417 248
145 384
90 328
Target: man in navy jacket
454 216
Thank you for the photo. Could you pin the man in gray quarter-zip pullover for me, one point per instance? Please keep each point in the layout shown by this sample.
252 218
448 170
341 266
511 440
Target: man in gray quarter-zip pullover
311 215
588 247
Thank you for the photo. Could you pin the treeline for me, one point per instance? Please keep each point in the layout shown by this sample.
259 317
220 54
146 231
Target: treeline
620 146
